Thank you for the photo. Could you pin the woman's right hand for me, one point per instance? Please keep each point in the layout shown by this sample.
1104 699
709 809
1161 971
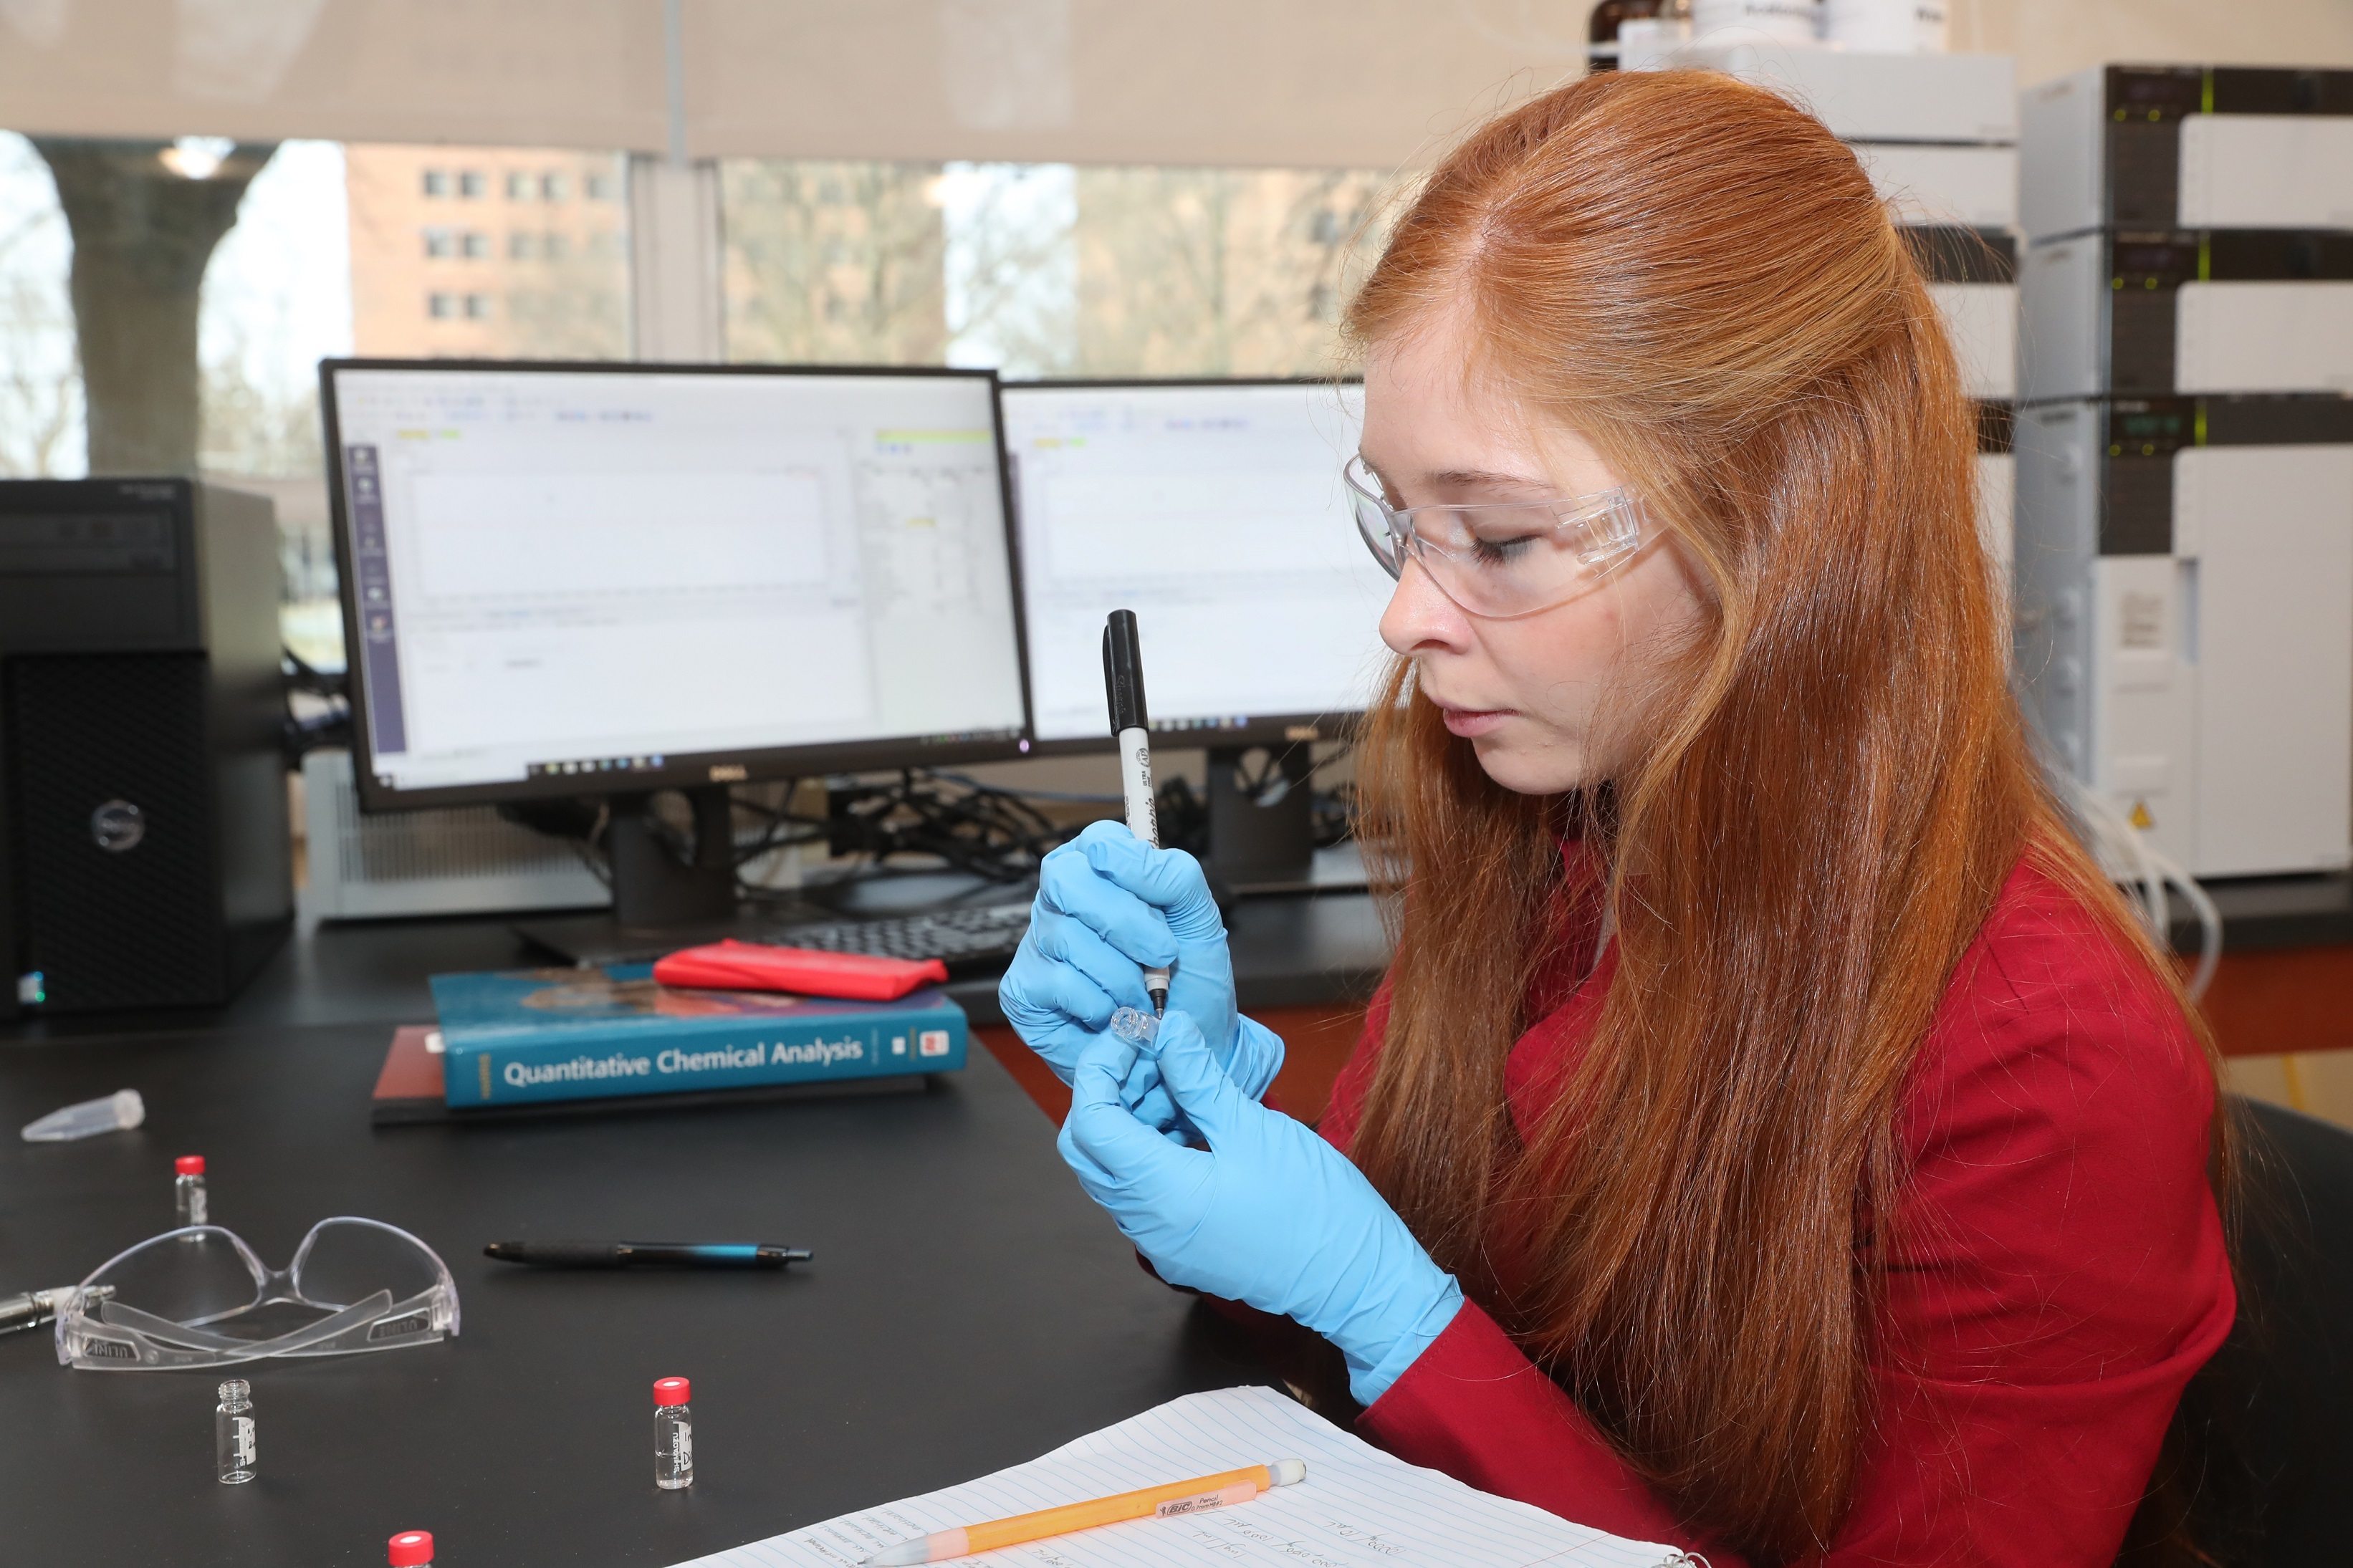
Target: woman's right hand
1109 906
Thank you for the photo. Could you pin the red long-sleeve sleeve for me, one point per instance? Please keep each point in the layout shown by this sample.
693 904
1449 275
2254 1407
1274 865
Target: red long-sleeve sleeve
2060 1274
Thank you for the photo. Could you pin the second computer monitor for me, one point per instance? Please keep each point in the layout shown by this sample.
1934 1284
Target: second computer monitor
1214 510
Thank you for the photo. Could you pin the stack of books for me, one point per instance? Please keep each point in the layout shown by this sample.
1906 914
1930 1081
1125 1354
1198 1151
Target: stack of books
598 1036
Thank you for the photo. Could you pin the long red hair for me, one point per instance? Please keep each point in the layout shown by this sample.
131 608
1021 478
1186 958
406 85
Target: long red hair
1699 279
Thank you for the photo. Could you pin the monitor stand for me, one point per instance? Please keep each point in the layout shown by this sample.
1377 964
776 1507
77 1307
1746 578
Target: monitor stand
660 903
1261 847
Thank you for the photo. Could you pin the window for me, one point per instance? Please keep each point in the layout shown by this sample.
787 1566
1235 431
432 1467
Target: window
1044 269
597 187
519 186
336 249
552 187
43 432
553 247
471 184
530 309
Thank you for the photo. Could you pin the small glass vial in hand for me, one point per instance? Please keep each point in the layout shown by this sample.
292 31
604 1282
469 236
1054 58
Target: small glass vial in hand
188 1189
233 1440
410 1549
673 1434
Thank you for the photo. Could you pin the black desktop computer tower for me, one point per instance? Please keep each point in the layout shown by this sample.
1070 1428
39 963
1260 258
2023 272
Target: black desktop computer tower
145 857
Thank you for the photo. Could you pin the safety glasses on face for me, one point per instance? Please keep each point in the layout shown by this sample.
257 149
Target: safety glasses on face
199 1297
1502 558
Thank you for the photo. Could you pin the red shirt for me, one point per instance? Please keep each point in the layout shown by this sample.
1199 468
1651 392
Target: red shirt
2072 1280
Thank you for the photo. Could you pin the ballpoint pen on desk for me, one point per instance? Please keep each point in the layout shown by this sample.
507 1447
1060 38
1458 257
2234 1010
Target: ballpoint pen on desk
1164 1501
31 1309
1123 658
646 1253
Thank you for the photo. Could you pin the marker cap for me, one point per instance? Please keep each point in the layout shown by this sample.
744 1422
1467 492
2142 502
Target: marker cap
671 1391
189 1165
1124 672
410 1549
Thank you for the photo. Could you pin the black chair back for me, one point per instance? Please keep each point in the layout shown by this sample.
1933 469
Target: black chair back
2275 1482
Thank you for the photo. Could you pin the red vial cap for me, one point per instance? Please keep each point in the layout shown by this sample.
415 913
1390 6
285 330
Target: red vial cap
411 1548
670 1391
189 1164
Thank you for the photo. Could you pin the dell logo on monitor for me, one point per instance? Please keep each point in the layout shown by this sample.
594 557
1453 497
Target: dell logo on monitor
117 826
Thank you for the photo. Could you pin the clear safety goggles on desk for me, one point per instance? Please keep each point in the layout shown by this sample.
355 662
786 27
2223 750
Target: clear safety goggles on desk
199 1297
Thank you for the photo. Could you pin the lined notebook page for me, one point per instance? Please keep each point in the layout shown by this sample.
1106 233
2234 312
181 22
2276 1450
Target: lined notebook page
1358 1508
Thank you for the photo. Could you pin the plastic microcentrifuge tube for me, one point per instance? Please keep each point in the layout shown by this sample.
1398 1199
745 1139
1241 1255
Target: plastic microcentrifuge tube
673 1434
188 1188
118 1112
410 1549
1137 1028
233 1443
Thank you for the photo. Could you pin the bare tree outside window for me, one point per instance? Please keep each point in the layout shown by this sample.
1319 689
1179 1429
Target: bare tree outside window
40 380
1219 271
1045 269
834 263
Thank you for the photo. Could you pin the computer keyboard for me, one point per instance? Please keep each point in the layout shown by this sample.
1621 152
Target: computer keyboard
967 939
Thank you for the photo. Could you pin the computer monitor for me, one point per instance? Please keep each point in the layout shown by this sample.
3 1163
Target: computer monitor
612 579
1214 510
560 578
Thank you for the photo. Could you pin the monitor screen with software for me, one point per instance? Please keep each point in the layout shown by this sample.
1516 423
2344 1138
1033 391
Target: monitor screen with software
1214 510
584 579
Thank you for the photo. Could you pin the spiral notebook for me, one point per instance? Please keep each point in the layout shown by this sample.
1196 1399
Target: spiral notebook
1358 1508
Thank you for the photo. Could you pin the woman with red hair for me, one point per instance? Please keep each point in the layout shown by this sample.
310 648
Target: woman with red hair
1773 1137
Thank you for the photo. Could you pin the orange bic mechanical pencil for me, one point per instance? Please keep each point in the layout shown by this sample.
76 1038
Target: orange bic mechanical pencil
1161 1501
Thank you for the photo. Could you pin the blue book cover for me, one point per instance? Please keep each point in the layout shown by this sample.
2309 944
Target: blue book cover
569 1034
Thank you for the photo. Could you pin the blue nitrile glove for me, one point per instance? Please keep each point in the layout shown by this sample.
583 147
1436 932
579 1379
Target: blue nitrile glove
1107 908
1270 1213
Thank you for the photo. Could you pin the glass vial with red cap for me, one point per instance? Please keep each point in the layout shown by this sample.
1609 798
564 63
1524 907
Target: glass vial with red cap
188 1188
411 1548
234 1449
673 1434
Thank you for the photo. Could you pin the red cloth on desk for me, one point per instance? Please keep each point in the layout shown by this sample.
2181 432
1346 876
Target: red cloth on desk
2072 1281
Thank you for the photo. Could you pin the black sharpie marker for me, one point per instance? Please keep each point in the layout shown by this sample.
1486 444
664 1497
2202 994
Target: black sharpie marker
1124 689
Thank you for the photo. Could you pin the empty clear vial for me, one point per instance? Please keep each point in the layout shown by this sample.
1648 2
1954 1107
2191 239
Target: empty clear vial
233 1439
188 1189
673 1434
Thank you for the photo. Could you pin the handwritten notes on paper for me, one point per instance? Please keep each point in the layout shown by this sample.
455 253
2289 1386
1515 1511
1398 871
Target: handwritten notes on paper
1358 1508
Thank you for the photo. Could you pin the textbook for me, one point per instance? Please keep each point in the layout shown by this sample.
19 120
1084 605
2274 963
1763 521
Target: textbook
573 1034
1355 1506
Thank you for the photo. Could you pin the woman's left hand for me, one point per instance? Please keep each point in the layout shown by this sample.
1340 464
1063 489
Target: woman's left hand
1268 1214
